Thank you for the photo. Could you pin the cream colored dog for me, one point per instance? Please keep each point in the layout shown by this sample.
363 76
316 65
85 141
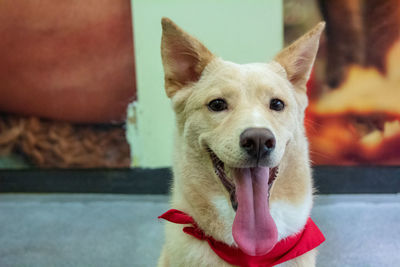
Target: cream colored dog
241 166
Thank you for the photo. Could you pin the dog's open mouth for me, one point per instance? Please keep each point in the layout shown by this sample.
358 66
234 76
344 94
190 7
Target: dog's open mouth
253 228
219 169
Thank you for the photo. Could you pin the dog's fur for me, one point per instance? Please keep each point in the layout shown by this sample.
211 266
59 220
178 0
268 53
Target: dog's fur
194 77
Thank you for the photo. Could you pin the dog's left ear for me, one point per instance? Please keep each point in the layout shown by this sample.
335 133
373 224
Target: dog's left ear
298 58
184 57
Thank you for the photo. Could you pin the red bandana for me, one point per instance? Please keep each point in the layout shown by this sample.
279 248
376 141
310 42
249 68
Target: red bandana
289 248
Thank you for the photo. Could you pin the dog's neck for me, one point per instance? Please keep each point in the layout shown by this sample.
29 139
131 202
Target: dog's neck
197 191
194 189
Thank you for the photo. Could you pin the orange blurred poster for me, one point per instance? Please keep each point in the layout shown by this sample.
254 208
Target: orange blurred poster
354 113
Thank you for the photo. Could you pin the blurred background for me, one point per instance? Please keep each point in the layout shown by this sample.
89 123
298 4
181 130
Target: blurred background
67 76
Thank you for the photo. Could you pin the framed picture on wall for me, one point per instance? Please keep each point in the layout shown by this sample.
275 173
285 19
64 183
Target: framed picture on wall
67 75
353 118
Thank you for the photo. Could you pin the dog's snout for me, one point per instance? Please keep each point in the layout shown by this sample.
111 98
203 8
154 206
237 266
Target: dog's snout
258 142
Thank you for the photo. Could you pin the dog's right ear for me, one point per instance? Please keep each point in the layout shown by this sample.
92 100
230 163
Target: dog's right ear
184 57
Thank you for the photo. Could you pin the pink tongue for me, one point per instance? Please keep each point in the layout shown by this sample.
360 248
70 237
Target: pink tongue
253 229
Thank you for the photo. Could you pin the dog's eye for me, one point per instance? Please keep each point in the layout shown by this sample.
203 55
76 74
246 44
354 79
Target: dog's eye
276 104
217 105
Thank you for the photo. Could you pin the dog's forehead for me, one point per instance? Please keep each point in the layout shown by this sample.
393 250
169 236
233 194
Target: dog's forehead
249 76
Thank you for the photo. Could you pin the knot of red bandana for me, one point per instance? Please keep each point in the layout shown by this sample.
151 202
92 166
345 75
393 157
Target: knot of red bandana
289 248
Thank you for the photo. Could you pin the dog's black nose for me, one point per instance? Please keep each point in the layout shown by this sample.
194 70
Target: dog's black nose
258 142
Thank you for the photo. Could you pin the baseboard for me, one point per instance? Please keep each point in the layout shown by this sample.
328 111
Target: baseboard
328 180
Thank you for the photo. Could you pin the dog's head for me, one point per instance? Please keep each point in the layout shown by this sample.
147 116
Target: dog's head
240 116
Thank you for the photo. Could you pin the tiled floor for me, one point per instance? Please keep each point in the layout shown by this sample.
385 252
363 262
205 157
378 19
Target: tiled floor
121 230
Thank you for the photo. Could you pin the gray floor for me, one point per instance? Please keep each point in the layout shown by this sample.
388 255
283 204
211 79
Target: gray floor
115 230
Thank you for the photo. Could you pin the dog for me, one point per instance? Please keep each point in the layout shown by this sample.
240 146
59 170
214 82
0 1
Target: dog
241 166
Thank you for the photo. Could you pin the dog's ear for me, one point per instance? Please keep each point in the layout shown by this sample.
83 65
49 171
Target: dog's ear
298 58
184 57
